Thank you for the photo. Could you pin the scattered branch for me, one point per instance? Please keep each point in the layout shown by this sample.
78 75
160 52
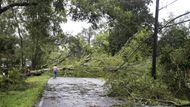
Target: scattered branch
165 102
174 103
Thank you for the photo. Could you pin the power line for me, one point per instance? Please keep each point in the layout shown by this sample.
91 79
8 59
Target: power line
170 21
168 5
177 23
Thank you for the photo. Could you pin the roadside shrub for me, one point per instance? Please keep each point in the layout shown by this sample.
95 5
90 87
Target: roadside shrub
137 84
175 65
175 59
15 81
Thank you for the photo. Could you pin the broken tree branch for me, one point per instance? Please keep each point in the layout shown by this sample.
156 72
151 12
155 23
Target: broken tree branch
5 8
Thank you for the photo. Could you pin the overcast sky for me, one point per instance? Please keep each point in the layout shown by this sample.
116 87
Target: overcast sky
177 8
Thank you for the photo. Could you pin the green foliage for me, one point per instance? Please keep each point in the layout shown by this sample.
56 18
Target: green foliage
6 24
101 43
95 65
174 60
15 81
124 17
87 9
27 97
75 47
136 48
129 25
129 19
33 26
79 73
38 26
7 45
135 83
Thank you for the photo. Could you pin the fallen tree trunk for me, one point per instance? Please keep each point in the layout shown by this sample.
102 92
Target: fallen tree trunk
36 72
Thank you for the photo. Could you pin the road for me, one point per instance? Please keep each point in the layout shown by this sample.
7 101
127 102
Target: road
76 92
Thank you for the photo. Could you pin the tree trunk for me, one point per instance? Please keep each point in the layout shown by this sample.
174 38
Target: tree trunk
21 40
35 55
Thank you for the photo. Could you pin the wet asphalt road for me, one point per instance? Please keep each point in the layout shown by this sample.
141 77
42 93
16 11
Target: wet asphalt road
76 92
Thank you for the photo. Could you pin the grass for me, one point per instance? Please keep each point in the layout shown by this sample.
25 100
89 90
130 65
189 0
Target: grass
27 97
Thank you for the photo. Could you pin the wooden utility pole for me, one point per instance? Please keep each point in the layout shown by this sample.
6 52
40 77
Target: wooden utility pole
155 42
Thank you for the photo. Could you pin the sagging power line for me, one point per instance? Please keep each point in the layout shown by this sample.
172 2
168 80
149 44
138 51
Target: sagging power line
168 5
176 23
170 21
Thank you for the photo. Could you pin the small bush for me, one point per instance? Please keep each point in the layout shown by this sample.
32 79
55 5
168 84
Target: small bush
14 81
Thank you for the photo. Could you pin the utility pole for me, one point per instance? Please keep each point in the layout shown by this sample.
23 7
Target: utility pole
155 42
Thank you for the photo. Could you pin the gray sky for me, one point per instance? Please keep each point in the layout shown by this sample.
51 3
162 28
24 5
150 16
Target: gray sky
177 8
74 28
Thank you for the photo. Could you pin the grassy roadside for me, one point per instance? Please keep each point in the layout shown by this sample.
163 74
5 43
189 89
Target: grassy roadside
25 98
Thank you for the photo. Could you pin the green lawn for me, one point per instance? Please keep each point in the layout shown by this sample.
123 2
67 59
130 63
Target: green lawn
26 98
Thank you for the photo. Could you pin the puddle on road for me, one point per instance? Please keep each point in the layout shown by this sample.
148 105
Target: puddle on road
76 92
